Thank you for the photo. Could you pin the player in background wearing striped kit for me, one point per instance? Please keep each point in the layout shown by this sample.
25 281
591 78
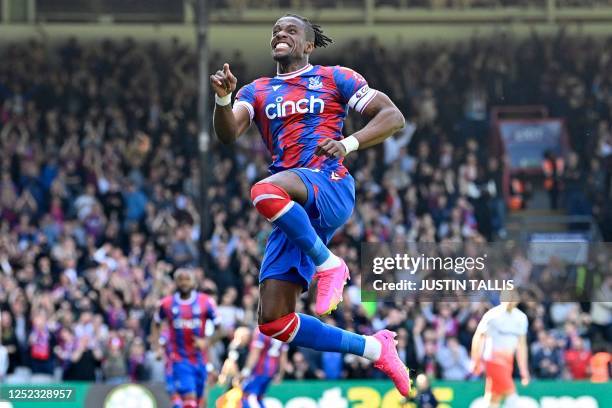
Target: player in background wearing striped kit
191 319
265 363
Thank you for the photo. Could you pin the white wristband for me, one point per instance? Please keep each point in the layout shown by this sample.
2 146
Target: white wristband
224 100
246 372
350 144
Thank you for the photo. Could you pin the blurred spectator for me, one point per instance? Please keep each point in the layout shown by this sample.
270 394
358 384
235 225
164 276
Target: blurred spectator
83 358
357 367
577 360
40 342
114 367
231 316
9 341
553 168
454 360
425 397
601 364
547 360
137 368
300 369
427 343
573 182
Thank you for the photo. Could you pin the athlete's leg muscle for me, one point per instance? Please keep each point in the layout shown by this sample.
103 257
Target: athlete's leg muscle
277 318
277 298
272 200
291 183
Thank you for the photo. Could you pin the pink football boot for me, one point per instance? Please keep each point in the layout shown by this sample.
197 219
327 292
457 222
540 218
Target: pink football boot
330 287
390 363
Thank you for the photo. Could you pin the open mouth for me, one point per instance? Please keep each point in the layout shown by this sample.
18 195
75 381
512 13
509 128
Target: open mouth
280 46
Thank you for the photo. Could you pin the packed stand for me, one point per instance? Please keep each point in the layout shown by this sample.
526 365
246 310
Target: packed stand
99 179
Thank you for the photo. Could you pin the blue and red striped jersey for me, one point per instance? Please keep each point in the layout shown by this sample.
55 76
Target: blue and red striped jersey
186 321
268 363
295 111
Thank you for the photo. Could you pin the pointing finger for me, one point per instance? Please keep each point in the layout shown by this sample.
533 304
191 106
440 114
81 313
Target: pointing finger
231 77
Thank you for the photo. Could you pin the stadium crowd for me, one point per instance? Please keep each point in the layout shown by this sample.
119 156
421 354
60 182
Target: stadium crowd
99 175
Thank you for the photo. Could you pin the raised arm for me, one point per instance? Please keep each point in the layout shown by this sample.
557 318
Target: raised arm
384 120
229 123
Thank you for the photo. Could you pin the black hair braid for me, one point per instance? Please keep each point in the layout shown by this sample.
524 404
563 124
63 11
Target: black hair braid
320 39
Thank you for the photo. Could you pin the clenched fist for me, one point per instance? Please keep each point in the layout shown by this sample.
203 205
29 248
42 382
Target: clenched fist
223 81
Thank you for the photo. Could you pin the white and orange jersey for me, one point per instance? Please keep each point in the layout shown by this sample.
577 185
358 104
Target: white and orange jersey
502 329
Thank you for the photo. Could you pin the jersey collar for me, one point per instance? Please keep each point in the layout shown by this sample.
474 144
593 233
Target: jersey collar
177 298
294 74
